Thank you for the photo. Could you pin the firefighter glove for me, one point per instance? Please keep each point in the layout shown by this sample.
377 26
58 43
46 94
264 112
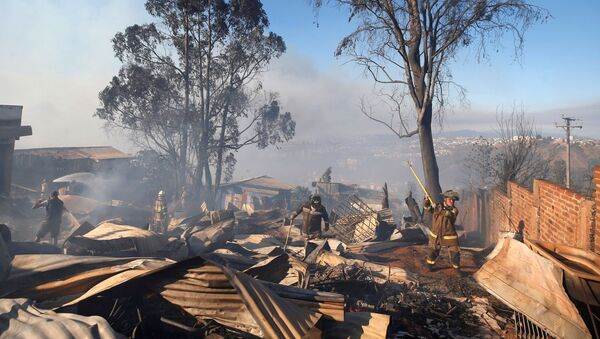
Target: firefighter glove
426 202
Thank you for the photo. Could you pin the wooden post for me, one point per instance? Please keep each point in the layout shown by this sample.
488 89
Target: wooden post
10 130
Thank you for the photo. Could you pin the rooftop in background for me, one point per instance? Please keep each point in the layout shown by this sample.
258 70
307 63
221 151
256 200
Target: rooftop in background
96 153
262 182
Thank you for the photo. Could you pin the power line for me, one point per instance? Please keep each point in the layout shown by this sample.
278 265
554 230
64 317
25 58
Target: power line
567 127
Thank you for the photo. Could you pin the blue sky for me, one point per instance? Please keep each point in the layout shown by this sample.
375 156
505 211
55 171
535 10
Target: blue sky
560 65
57 56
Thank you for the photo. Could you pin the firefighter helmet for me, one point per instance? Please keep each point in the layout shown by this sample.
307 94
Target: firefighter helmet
451 194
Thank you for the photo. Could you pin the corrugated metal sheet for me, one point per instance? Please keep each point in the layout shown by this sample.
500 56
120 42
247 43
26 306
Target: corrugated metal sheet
210 291
108 237
581 267
20 319
234 299
282 269
264 244
277 317
532 285
260 191
49 276
264 182
203 240
201 288
72 153
329 304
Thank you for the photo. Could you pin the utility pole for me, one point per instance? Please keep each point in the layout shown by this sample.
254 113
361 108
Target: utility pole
567 127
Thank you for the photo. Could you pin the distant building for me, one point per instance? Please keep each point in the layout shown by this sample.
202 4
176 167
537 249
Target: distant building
30 166
334 192
257 193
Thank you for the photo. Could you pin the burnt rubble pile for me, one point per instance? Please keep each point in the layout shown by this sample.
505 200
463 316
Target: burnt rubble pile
241 274
460 308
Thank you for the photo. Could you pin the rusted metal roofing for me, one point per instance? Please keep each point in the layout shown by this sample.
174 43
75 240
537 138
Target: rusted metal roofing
533 286
581 267
210 291
109 237
199 287
74 153
236 300
262 182
282 269
20 318
48 276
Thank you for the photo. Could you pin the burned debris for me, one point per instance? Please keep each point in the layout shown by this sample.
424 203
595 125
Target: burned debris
241 272
226 274
353 221
169 243
246 271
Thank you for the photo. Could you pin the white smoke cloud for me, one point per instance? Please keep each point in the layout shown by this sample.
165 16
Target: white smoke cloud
57 55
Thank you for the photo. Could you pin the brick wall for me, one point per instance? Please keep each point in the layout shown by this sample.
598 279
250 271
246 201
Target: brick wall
596 231
549 213
523 210
565 217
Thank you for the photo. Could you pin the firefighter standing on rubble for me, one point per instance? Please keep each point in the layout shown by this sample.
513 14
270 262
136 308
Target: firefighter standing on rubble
313 212
442 231
54 211
184 200
160 214
43 189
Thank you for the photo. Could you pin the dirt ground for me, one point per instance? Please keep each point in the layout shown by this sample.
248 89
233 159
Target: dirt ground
443 278
445 304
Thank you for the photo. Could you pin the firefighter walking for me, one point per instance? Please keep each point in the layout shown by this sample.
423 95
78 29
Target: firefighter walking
443 232
51 224
160 214
313 213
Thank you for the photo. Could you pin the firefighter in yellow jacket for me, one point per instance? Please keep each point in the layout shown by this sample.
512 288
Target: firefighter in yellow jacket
442 231
160 214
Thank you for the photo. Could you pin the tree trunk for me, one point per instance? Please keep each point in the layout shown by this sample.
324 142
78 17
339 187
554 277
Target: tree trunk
219 169
430 167
186 111
206 135
210 196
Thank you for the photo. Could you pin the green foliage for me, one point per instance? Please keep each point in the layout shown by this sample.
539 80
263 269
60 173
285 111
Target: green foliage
189 85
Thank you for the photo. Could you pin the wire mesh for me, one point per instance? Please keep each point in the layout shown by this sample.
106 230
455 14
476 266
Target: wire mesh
526 329
354 221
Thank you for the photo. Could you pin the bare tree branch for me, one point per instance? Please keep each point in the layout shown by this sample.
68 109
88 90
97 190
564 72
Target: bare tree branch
367 111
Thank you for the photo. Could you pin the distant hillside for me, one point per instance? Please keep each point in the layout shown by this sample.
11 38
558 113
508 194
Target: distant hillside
371 161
